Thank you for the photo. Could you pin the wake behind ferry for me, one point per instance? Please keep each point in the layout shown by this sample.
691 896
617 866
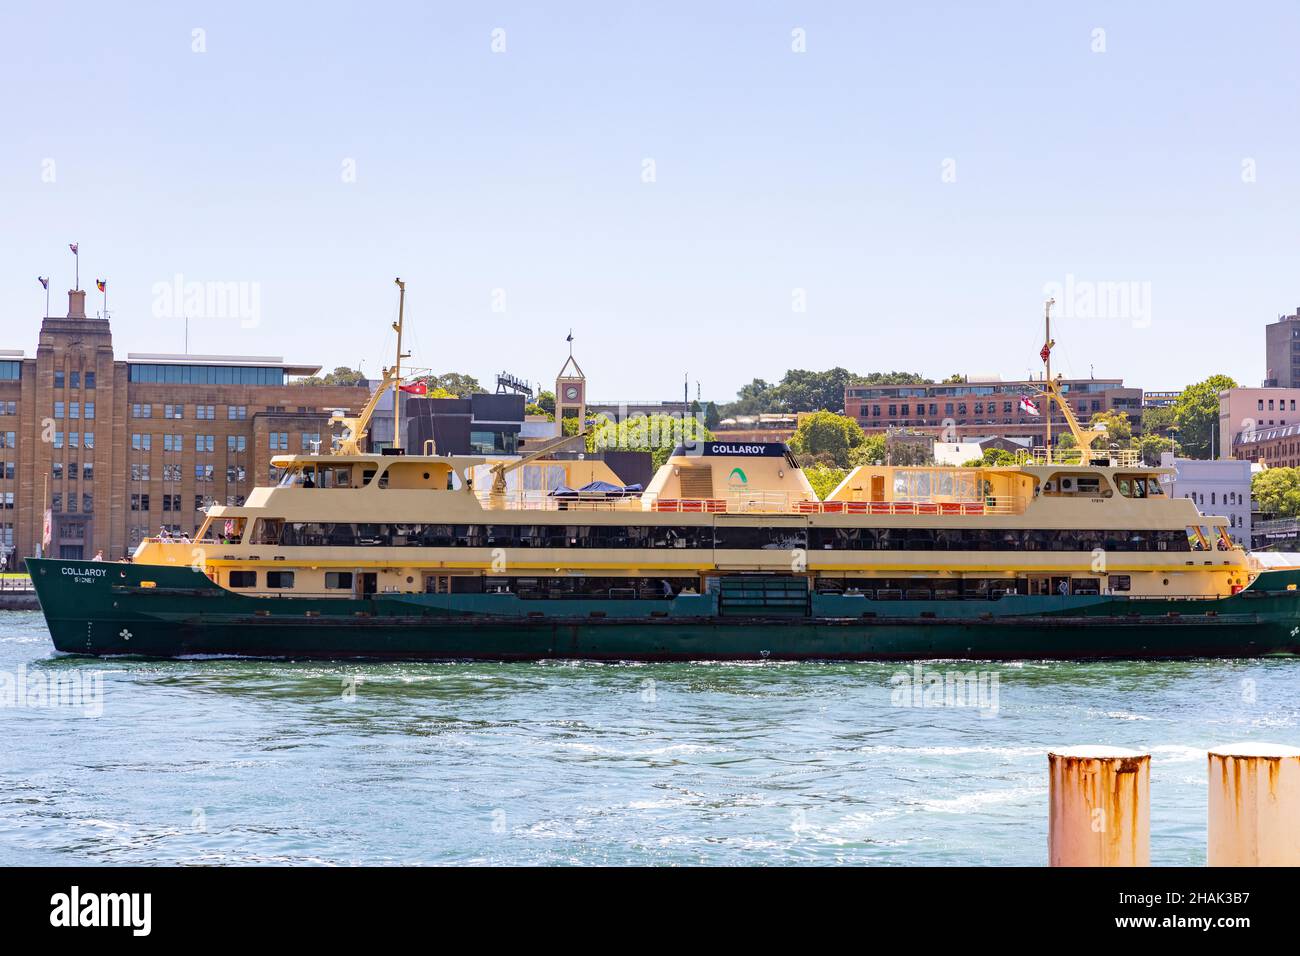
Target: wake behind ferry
727 554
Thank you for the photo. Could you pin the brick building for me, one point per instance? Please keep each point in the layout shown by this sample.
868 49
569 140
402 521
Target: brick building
984 408
118 449
1282 352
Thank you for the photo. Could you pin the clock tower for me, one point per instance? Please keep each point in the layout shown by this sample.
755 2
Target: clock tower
571 390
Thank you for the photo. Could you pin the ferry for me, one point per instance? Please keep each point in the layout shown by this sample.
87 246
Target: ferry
727 554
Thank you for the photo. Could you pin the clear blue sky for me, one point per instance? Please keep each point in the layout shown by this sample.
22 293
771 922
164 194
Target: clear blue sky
522 171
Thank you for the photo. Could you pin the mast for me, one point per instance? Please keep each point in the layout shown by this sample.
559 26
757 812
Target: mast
1047 361
397 369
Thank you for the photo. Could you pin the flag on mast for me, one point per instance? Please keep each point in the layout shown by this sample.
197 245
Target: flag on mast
415 388
44 281
1027 406
73 247
101 284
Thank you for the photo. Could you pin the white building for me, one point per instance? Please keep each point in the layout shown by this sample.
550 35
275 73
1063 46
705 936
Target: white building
1217 487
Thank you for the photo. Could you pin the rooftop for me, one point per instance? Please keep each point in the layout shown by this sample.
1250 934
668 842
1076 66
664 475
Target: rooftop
242 361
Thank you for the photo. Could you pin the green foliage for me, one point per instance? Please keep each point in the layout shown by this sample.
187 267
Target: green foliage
826 433
870 452
824 478
1150 447
1157 420
657 434
956 378
534 409
1118 429
992 458
1277 490
546 401
1196 416
455 384
803 391
340 376
711 416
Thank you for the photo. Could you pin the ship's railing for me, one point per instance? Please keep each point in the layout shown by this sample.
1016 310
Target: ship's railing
989 505
545 501
15 582
1113 457
747 502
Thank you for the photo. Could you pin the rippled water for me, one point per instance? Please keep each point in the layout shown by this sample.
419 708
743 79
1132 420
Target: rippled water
221 761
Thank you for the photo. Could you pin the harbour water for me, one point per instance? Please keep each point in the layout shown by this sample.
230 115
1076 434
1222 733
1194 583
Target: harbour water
260 762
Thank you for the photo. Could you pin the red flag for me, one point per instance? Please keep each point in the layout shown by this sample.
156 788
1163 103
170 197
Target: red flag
418 388
1047 350
73 247
100 284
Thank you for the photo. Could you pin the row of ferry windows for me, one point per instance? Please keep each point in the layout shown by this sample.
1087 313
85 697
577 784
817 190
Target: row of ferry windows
650 588
326 534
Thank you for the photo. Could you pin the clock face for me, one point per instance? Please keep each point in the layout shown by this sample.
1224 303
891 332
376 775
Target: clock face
571 392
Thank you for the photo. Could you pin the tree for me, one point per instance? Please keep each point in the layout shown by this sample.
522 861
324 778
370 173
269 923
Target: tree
992 458
342 375
824 478
1150 447
1278 491
455 384
1118 428
546 401
1196 416
828 433
657 434
956 378
870 452
1157 420
711 416
804 391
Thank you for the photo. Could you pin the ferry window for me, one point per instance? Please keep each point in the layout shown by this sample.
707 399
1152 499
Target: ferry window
338 580
279 579
1119 582
243 579
1153 488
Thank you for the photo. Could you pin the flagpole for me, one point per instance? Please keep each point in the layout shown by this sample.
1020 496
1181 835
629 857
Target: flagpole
397 383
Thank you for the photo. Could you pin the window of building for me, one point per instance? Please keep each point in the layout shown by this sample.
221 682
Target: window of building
236 412
235 443
279 441
59 409
90 380
58 378
139 471
203 472
76 380
87 504
172 443
309 439
7 440
173 411
88 470
205 412
88 439
139 502
56 502
141 411
74 409
171 472
58 439
56 469
90 410
205 443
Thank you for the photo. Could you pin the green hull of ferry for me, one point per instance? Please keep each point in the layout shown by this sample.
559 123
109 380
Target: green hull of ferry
101 608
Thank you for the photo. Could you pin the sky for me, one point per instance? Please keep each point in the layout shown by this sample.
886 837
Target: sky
707 192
